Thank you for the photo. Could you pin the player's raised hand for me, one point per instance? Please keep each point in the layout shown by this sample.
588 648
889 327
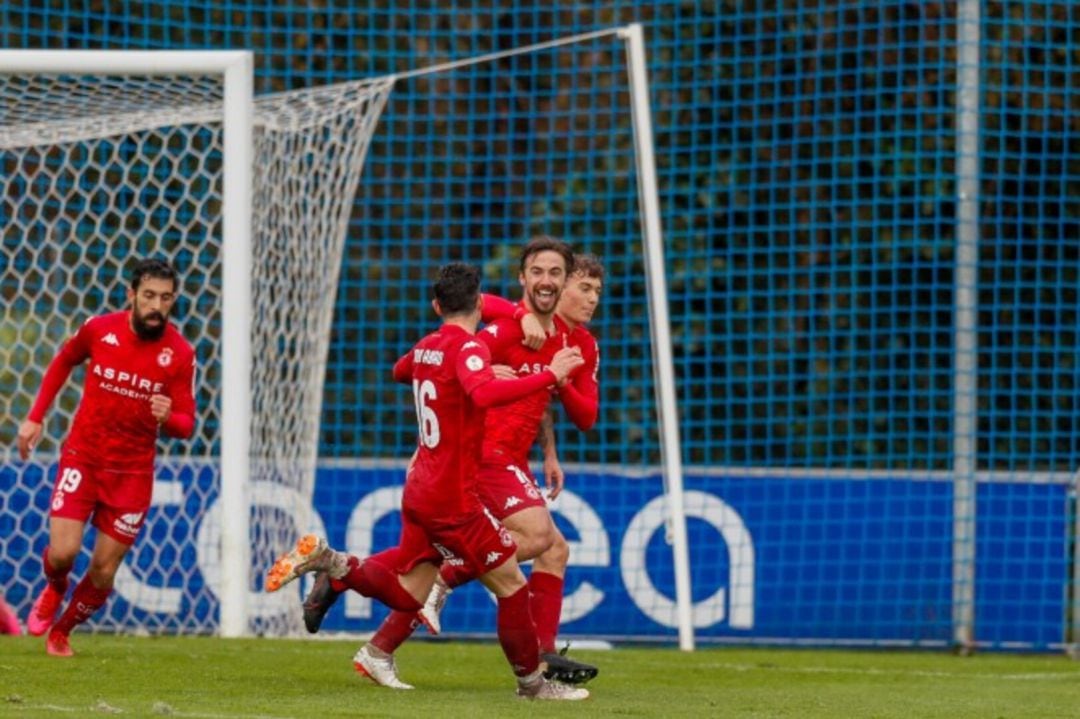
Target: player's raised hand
565 362
160 407
28 437
534 332
503 371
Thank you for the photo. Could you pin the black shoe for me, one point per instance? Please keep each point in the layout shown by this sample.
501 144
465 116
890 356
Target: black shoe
319 601
563 669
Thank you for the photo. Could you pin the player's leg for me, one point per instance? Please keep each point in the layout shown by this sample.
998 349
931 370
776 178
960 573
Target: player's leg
537 528
91 593
65 540
71 504
517 635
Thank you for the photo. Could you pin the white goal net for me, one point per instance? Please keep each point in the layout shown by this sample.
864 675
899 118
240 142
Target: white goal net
98 171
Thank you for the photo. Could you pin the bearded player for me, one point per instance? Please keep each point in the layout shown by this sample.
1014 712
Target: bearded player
506 485
138 386
442 518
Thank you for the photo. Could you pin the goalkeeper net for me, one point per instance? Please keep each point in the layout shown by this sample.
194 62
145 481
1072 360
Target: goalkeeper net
100 170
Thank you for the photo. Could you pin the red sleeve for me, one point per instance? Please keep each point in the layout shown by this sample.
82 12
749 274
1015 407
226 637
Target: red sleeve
581 395
403 368
504 391
494 308
71 355
181 421
476 376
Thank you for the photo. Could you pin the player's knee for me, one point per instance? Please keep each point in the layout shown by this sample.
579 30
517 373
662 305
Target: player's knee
61 557
559 551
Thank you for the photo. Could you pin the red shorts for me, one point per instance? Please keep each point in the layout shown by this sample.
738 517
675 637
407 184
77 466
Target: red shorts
118 501
508 488
475 541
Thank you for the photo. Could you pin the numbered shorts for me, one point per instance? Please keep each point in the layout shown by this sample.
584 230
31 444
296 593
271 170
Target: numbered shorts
475 541
118 501
507 488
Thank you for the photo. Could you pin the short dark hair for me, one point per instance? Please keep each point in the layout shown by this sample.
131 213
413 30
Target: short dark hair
589 265
153 267
456 288
546 243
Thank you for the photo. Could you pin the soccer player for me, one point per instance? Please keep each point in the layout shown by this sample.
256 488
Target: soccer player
138 386
507 487
442 518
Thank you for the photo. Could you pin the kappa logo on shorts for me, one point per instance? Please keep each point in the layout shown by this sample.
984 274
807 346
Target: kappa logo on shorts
512 502
492 557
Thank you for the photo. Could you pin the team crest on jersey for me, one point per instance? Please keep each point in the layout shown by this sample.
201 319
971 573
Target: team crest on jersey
165 358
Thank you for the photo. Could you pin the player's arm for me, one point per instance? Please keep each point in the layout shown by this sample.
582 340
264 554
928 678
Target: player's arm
494 308
554 477
581 395
71 355
476 376
403 368
175 412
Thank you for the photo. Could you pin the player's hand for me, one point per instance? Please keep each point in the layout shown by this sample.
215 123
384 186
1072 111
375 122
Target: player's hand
535 336
553 476
565 362
503 371
160 407
28 437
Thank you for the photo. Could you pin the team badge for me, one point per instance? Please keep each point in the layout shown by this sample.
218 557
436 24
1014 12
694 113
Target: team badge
165 358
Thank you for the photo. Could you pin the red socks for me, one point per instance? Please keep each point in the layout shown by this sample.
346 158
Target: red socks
517 635
395 629
57 578
546 606
455 576
85 600
373 577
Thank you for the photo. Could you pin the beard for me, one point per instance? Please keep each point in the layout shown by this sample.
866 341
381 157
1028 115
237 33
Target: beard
144 330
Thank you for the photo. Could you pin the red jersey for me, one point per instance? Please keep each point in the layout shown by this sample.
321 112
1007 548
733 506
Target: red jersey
510 430
452 381
113 427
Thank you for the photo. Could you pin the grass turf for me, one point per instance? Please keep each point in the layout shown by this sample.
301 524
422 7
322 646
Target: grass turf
208 677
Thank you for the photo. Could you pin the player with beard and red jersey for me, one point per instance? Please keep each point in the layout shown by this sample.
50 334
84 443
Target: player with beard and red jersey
138 386
507 488
443 521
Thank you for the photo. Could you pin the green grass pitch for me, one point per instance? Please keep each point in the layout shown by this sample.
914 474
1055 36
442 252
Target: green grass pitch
208 677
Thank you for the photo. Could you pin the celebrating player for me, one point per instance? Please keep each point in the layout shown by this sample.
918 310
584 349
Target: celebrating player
442 518
507 488
138 385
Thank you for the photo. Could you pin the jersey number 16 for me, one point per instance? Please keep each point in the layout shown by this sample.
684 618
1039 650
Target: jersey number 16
424 392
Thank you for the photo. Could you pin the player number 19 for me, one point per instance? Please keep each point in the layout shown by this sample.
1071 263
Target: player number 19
423 392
